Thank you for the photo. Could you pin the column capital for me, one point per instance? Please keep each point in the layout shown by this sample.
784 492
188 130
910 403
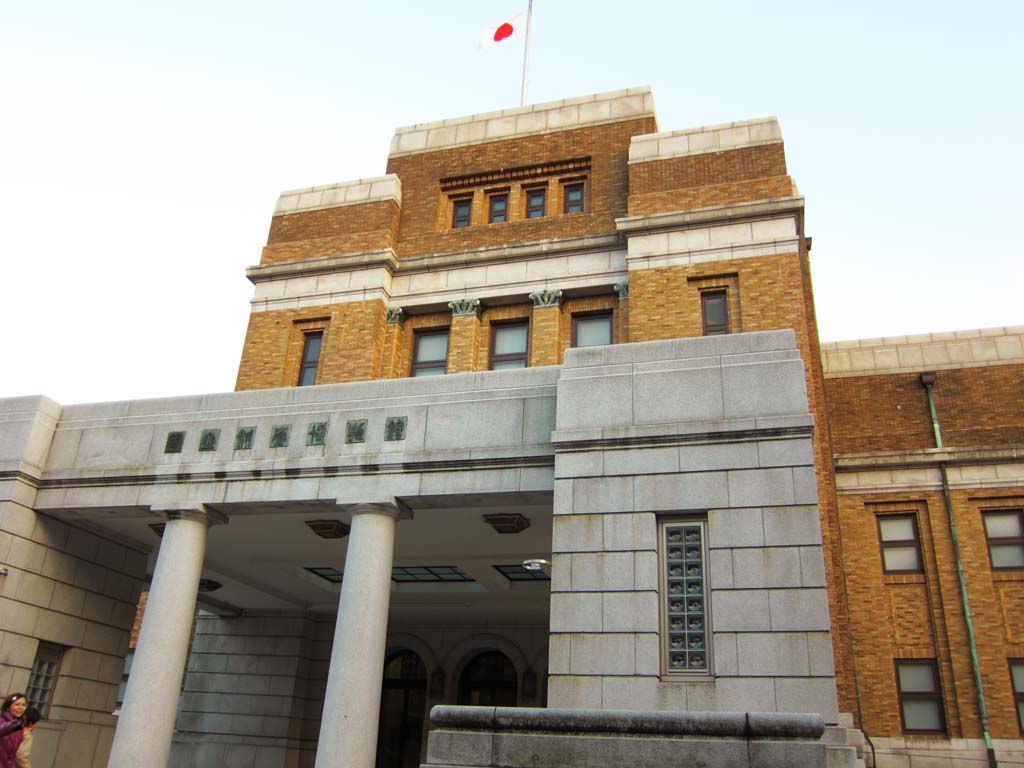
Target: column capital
546 298
391 507
395 316
198 512
464 307
622 289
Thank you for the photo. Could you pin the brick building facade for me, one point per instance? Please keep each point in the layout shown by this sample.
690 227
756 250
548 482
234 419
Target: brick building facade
656 289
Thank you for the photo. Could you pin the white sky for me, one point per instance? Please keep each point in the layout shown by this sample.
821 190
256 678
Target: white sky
143 146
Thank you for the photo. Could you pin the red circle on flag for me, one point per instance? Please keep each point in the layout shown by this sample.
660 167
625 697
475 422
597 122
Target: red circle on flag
505 30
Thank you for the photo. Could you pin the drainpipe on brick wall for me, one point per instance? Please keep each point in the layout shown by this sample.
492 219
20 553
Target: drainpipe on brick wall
928 381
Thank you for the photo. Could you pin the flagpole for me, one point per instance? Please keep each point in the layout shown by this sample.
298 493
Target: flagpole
526 51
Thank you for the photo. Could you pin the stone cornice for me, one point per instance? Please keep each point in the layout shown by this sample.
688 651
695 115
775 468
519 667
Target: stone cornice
323 265
927 457
657 222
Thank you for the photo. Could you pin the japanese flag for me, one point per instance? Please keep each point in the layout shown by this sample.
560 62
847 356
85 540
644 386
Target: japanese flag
495 36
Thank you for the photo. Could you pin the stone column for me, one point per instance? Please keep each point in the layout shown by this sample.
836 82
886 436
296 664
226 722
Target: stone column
348 727
146 724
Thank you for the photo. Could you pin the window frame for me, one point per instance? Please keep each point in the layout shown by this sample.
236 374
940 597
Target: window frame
457 201
492 196
528 192
936 696
304 363
1003 540
51 653
418 365
509 357
665 611
569 185
1018 695
606 313
718 329
884 544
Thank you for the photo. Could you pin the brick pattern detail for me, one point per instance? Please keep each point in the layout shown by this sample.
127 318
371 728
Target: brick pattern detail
464 344
712 178
425 218
331 232
890 412
920 615
351 351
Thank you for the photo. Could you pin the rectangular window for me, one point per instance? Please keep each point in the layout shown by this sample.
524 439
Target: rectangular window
591 330
920 696
1004 530
462 207
43 678
430 356
1017 680
124 677
572 198
684 597
536 202
901 546
497 208
508 345
310 358
714 307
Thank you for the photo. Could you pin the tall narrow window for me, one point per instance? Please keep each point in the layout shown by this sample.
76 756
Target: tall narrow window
917 683
714 308
310 358
43 678
1004 530
430 356
536 202
901 547
684 598
508 345
1017 680
572 198
591 330
461 209
497 208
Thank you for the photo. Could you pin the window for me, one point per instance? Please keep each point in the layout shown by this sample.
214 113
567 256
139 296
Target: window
536 200
1004 530
43 678
714 309
124 677
572 198
901 546
591 330
508 345
684 597
461 209
497 208
310 358
917 683
1017 680
430 357
489 680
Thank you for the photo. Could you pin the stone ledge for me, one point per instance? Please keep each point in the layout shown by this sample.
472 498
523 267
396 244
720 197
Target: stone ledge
749 725
704 139
357 192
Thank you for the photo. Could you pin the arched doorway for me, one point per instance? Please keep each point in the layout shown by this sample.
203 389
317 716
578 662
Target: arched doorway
402 702
489 680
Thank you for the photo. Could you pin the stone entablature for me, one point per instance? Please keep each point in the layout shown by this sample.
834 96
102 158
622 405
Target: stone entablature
708 138
372 190
929 351
534 119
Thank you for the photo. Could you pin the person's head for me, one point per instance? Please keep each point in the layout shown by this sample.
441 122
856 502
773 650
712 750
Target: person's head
15 704
32 717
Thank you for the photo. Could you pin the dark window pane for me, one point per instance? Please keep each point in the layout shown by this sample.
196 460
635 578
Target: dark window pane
312 351
461 213
574 198
498 209
535 203
715 312
1018 677
509 339
310 358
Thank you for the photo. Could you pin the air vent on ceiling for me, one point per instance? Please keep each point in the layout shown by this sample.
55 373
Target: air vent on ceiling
328 529
508 523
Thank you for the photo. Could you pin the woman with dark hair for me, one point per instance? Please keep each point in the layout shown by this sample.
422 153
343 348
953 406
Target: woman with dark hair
23 759
11 724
